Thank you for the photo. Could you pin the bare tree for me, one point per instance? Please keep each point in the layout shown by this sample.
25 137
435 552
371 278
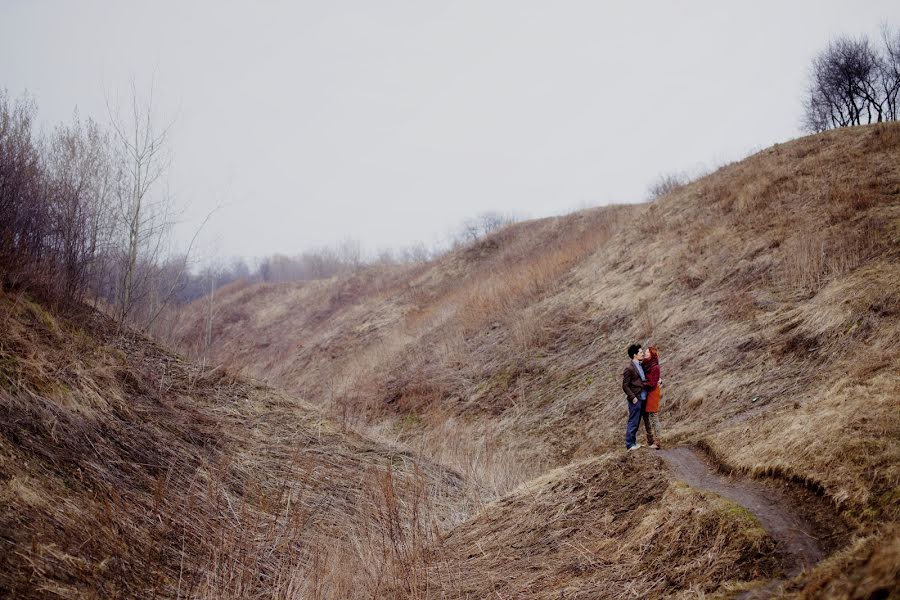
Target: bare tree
838 82
852 82
143 211
79 184
238 269
349 254
492 221
414 253
80 213
54 195
473 229
385 256
666 183
211 274
889 71
470 230
23 218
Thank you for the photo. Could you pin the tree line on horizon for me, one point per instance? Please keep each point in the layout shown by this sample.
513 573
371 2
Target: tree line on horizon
86 216
328 261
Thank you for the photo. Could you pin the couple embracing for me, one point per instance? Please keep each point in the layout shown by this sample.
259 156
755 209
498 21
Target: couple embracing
640 381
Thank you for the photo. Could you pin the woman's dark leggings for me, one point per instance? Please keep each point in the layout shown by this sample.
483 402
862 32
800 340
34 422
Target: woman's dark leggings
651 424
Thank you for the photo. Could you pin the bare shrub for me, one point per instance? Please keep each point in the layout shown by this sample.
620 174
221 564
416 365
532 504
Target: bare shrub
475 228
25 222
55 199
812 258
144 211
666 184
80 182
81 217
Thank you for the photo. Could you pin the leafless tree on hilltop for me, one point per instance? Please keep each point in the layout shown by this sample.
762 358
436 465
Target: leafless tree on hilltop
853 82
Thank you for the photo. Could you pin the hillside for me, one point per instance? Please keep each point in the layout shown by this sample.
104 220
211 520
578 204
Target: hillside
129 472
771 287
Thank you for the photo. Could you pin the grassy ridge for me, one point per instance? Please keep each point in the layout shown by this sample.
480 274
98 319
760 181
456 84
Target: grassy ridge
771 286
126 471
604 527
487 386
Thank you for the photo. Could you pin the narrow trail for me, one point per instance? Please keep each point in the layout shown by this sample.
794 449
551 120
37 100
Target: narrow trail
797 539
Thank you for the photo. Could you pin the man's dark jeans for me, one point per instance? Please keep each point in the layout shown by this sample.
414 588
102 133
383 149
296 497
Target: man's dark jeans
634 421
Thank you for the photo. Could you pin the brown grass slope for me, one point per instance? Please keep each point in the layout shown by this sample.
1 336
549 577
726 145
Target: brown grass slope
613 526
126 471
771 286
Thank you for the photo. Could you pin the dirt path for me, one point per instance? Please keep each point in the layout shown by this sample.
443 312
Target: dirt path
796 537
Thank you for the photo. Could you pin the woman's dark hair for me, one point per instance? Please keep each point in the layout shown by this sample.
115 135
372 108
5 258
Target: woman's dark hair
633 349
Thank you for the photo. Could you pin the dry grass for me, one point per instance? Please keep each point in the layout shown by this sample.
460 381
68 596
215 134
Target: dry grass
528 269
490 467
127 472
610 527
770 287
867 568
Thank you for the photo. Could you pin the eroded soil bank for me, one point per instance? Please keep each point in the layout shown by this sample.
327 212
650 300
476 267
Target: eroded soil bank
803 526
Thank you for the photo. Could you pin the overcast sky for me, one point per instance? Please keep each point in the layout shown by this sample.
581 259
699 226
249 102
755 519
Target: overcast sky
391 122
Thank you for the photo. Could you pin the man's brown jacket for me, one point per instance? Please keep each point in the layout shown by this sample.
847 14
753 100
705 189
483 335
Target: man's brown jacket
632 383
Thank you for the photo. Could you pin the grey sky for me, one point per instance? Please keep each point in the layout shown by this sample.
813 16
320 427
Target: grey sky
390 122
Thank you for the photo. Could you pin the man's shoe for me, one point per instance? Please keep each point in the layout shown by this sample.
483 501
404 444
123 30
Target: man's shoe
635 447
654 445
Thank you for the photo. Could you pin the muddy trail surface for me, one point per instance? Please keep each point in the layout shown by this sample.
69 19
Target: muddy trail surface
797 538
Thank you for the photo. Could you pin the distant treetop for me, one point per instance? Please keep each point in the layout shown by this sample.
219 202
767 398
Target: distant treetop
854 82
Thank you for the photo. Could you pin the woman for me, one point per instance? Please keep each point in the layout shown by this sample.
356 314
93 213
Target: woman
650 416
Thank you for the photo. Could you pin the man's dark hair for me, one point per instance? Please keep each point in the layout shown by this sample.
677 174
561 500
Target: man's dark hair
633 349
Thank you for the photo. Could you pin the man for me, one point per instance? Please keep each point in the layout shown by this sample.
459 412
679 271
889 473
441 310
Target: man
635 394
